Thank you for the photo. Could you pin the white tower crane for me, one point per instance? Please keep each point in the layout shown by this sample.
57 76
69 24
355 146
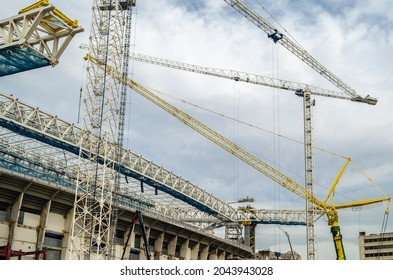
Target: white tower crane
103 116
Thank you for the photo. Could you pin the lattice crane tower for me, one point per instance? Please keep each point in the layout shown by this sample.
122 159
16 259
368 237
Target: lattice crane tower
103 115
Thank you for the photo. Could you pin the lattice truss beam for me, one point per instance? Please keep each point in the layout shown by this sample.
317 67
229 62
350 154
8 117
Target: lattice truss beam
38 135
36 37
239 76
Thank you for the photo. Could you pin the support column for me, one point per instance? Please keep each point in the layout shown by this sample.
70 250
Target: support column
15 210
195 251
42 226
184 249
66 247
158 244
221 255
247 236
213 255
204 253
172 248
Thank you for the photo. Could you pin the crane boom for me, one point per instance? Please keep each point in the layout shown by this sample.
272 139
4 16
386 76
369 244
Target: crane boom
239 76
298 51
215 137
245 156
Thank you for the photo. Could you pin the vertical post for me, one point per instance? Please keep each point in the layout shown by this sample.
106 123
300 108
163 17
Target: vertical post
309 183
195 251
94 224
184 249
204 253
144 236
42 225
8 251
158 245
172 248
15 211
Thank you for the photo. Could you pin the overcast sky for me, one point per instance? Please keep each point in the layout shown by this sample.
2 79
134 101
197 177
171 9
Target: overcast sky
354 39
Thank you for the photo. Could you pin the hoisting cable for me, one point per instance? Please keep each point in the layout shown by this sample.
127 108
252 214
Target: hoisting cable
81 92
286 31
240 121
262 129
369 179
383 231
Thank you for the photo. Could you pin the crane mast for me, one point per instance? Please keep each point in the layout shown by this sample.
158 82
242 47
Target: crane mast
309 181
94 219
127 8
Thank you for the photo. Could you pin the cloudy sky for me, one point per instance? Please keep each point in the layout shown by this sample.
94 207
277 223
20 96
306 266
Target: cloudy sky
354 39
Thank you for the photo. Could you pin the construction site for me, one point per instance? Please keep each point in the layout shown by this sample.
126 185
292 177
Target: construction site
80 177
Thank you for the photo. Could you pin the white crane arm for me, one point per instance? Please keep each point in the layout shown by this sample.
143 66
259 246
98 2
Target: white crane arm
297 50
239 76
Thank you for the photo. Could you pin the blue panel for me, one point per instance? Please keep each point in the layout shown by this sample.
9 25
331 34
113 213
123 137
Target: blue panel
289 223
15 59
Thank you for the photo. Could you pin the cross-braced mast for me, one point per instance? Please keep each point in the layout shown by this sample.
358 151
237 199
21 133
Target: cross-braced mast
91 232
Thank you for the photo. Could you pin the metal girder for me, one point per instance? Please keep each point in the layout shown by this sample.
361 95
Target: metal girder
283 217
34 38
34 123
31 122
239 76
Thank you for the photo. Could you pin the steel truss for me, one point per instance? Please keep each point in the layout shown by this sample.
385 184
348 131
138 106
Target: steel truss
36 37
94 222
54 137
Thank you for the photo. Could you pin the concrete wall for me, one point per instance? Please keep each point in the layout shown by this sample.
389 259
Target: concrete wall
26 235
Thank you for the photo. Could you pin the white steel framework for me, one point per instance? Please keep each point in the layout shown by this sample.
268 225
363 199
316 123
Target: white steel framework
36 37
309 179
239 76
50 130
91 231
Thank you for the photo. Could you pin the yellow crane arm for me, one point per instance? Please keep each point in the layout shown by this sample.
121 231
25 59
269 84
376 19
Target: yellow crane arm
36 5
53 24
216 138
362 203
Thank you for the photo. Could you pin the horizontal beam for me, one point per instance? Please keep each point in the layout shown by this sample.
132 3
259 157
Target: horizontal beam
33 123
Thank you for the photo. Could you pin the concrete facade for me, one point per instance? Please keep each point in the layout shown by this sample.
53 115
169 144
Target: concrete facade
35 214
376 246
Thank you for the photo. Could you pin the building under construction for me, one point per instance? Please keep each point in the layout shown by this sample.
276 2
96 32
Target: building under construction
74 192
376 246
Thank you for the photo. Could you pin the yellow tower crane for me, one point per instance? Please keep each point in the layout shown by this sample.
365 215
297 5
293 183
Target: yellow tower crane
324 205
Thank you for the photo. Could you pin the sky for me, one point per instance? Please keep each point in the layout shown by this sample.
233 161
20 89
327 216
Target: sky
353 39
